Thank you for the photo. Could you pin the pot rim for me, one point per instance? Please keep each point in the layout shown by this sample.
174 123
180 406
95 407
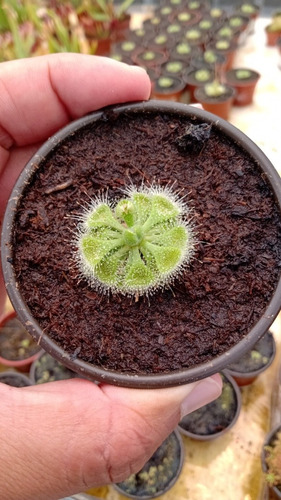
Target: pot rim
211 437
84 368
201 95
171 482
254 373
233 80
21 376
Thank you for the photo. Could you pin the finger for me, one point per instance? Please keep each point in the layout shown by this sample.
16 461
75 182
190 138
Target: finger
82 435
38 96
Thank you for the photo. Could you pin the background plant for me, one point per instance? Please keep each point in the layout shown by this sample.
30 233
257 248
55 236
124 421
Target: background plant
30 27
273 461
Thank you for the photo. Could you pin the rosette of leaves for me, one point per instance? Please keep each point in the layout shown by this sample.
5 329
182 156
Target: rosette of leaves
137 245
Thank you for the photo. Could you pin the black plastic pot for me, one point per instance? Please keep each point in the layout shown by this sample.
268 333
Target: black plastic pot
15 379
47 369
275 492
159 474
90 370
244 375
13 334
215 419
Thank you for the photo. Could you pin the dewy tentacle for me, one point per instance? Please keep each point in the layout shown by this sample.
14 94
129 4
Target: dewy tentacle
137 246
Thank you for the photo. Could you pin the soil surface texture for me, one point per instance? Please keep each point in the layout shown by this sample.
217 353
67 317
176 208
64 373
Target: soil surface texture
217 299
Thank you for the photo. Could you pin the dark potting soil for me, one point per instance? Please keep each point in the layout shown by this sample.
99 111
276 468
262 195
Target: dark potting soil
213 417
158 472
217 299
258 357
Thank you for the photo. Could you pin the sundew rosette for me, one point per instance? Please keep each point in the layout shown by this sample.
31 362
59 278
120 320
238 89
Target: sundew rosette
136 245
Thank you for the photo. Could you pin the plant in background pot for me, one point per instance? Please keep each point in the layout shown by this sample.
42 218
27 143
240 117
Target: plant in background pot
15 379
174 68
120 19
215 61
168 88
271 461
185 52
246 369
103 14
196 78
244 81
174 31
195 36
161 41
177 221
154 24
166 13
216 98
225 47
150 58
186 18
241 25
219 15
273 30
47 369
216 418
17 347
226 32
140 36
249 9
126 48
159 473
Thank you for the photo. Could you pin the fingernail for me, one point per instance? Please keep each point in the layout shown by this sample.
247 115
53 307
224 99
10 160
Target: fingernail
203 393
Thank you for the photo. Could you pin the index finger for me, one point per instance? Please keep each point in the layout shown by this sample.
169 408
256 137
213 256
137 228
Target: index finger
40 95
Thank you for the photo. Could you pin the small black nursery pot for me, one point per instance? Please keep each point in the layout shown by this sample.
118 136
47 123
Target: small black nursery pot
17 347
220 190
159 474
48 369
14 379
216 418
246 369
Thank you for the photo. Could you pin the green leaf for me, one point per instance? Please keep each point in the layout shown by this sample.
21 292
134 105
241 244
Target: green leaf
138 275
142 204
103 217
176 237
162 211
166 258
95 249
108 269
123 7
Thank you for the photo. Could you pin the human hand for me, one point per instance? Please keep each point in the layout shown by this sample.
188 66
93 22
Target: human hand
64 437
39 96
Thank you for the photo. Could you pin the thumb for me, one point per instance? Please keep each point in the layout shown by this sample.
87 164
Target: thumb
78 435
150 416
